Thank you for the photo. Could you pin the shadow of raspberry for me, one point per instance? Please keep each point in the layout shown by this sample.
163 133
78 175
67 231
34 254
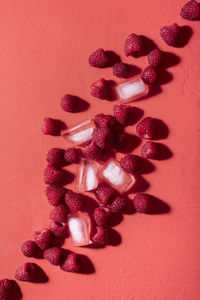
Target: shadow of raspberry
15 293
114 238
115 219
127 143
169 60
144 166
81 105
158 206
134 116
184 36
112 57
41 276
141 185
163 152
89 205
67 177
86 265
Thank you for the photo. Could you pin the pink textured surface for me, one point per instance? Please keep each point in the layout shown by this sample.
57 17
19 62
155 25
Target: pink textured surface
44 52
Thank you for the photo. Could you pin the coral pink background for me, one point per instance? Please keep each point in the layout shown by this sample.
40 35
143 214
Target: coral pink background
44 49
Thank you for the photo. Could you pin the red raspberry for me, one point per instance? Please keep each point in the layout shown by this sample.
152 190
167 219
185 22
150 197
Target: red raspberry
117 205
102 137
149 75
130 163
58 229
5 288
98 59
54 194
92 151
99 89
43 238
30 249
72 156
150 150
59 214
104 193
170 34
122 113
55 157
133 45
53 255
191 10
120 70
104 121
146 128
26 272
53 176
101 216
100 238
51 127
73 201
155 58
69 103
71 264
142 202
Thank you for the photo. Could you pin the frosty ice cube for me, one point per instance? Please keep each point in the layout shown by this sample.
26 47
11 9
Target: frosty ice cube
79 228
87 175
80 134
131 89
116 177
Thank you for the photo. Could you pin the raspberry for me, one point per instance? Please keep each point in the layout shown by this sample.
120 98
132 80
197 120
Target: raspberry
133 45
170 34
100 238
51 127
146 128
142 202
26 272
73 201
99 89
5 288
104 193
54 194
69 103
150 150
59 214
102 137
191 10
117 205
43 238
71 264
155 58
58 229
53 176
104 121
98 58
130 163
55 157
120 70
72 156
149 75
122 113
92 151
30 249
101 216
53 255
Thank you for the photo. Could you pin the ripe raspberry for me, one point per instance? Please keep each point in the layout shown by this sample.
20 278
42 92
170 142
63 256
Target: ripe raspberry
43 238
149 75
73 201
53 255
55 157
69 103
120 70
92 151
26 272
170 34
30 249
54 194
100 238
104 193
122 113
146 128
130 163
99 89
71 264
101 216
104 121
59 214
191 10
133 45
150 150
5 288
51 127
58 229
142 202
53 176
72 155
98 59
102 137
117 205
155 58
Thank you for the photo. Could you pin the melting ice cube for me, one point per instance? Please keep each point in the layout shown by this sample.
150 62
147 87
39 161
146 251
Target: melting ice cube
79 228
131 89
79 134
115 176
87 175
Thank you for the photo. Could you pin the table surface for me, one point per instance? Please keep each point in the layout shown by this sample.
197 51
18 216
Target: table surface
44 48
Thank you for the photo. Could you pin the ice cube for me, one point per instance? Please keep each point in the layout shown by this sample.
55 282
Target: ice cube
79 228
79 134
87 175
131 89
116 177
